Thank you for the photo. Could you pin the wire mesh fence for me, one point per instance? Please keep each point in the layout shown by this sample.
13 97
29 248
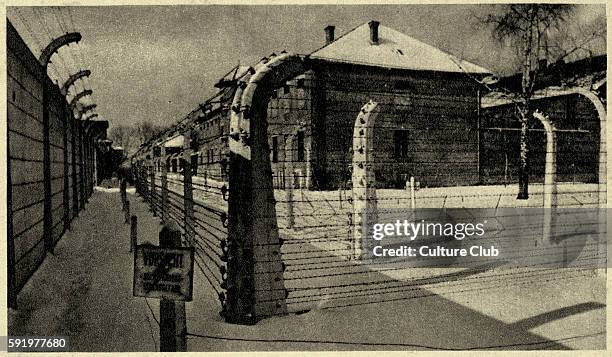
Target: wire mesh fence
307 161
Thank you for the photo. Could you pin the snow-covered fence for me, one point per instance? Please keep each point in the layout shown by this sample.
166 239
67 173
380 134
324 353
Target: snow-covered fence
286 252
364 178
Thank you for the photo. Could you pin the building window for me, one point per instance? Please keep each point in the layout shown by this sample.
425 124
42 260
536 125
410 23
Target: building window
400 141
275 149
300 83
300 146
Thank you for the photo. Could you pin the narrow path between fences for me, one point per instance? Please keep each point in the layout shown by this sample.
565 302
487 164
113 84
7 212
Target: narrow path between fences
84 292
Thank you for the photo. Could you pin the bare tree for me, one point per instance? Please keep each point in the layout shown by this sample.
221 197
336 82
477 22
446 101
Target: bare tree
538 33
124 136
130 137
145 130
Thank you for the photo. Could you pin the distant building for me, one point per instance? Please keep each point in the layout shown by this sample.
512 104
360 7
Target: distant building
575 116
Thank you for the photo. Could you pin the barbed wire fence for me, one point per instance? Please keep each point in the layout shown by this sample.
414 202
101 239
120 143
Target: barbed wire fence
311 176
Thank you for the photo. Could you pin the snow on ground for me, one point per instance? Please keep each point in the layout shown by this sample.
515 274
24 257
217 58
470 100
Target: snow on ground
85 291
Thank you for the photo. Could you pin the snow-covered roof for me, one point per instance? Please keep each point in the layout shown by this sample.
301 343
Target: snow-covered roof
494 99
394 50
175 142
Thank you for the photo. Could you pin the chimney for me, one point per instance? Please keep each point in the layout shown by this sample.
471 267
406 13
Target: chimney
329 34
374 32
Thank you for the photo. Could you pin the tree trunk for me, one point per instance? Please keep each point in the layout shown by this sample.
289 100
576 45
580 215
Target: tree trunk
523 173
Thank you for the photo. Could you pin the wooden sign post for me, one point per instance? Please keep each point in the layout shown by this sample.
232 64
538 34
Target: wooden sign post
166 273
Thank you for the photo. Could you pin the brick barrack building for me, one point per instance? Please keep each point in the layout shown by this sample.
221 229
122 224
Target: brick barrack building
431 125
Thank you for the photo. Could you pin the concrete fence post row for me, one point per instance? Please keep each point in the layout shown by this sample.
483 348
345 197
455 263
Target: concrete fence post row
45 151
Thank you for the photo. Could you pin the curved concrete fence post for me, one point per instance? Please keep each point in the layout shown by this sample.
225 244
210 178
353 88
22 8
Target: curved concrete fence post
72 79
363 179
56 44
255 285
602 173
603 155
602 189
550 178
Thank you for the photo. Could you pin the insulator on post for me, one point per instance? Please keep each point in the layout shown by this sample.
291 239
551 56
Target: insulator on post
246 112
223 192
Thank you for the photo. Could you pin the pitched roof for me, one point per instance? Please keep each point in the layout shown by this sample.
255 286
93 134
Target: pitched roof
582 73
394 50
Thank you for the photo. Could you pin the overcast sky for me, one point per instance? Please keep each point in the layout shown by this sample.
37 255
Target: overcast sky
157 63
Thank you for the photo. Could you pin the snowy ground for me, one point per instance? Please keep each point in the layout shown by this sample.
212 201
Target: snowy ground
85 291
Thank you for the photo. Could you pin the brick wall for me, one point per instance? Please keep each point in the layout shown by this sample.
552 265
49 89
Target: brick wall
438 112
577 153
42 174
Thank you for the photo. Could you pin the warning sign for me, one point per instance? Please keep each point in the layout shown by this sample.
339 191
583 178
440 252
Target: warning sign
161 272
